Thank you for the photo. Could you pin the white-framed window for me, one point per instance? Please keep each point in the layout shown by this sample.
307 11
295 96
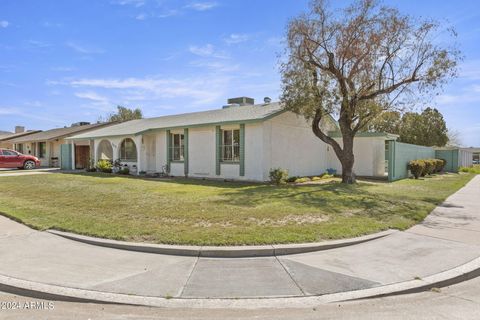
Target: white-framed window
128 150
230 148
177 146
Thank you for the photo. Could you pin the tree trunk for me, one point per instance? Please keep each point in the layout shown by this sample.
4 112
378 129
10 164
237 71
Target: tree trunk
345 155
347 159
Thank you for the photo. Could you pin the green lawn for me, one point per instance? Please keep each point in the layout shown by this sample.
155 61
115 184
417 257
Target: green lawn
219 213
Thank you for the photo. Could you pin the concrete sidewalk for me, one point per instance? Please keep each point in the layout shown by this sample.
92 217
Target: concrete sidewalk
449 237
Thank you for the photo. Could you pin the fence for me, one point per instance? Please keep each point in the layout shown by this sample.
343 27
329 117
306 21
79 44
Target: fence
451 156
66 156
399 154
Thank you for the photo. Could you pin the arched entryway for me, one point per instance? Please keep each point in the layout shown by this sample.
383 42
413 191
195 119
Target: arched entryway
105 150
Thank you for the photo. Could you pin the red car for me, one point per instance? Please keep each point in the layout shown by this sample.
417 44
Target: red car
13 159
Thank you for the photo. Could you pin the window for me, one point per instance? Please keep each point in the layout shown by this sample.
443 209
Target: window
9 153
42 149
230 145
177 147
19 147
128 150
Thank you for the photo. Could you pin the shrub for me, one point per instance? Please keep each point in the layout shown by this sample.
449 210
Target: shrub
327 176
302 180
278 175
104 166
474 169
332 171
316 178
292 178
124 170
429 166
442 164
416 167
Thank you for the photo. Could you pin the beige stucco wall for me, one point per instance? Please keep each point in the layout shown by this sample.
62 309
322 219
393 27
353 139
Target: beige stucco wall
465 158
289 143
369 157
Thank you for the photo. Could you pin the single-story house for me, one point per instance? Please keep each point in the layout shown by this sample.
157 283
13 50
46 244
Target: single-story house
241 141
475 154
45 145
456 157
6 137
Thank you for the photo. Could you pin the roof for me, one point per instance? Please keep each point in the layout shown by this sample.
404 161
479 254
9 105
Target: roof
234 114
388 136
17 135
55 133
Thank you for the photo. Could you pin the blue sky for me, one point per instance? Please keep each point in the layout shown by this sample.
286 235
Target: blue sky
68 61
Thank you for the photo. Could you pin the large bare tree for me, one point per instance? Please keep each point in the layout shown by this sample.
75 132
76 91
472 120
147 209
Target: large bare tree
358 62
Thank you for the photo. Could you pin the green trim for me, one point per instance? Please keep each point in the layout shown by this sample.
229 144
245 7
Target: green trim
185 151
169 143
217 149
242 149
391 160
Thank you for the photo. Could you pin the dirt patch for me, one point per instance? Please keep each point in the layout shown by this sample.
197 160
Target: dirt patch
290 219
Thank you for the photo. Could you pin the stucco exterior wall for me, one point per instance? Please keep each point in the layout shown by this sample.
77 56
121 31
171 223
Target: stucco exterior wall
369 157
201 152
290 144
465 158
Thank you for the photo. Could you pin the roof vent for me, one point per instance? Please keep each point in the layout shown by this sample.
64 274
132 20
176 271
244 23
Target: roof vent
267 100
242 101
79 124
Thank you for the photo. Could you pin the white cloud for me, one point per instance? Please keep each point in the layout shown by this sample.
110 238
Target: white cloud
235 38
135 3
199 90
218 66
201 6
207 51
470 70
63 69
27 113
469 94
83 49
4 23
141 16
38 44
90 95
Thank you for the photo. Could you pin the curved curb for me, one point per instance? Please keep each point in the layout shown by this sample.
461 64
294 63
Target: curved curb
222 252
38 290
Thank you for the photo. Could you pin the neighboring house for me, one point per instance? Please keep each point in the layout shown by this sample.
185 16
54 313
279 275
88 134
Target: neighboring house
45 145
5 137
241 141
456 157
475 154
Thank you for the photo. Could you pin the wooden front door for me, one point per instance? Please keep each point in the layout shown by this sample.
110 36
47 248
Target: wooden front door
82 155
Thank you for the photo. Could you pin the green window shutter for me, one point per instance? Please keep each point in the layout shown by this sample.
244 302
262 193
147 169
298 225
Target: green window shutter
218 139
242 150
185 151
169 149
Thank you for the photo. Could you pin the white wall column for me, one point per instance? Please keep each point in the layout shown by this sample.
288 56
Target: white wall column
73 154
140 153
